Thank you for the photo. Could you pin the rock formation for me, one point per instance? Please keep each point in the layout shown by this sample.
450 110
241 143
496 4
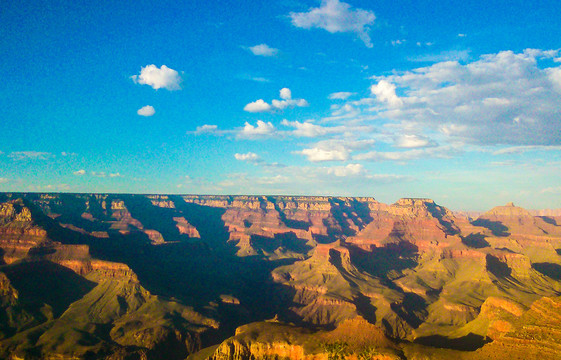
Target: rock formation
164 276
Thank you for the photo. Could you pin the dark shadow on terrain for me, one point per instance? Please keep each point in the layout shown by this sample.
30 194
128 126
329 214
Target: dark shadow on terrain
365 308
287 241
380 261
154 217
470 342
506 249
413 309
324 239
476 241
439 213
549 220
70 207
357 212
549 269
496 227
497 267
207 220
293 224
39 282
558 251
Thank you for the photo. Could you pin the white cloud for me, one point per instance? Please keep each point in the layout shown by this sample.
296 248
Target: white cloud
286 102
115 175
385 92
250 157
4 180
335 16
283 104
206 129
309 129
147 110
257 106
413 141
493 101
29 155
522 149
437 152
348 170
285 94
272 180
450 55
158 78
262 129
554 76
263 50
505 98
551 190
342 95
80 172
319 154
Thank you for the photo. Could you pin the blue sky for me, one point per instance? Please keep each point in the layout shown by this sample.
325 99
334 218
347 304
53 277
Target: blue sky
458 101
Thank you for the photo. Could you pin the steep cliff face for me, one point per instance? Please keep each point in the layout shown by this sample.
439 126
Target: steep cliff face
420 222
353 339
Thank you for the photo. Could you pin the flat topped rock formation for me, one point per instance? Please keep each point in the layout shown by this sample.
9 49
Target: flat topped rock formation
152 276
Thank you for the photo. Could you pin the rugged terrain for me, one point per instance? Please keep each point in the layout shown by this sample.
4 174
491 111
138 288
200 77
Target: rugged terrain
87 276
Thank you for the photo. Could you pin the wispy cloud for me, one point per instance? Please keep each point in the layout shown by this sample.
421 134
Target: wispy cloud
30 155
342 95
437 152
526 148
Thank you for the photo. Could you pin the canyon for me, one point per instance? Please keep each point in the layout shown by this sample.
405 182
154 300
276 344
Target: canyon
122 276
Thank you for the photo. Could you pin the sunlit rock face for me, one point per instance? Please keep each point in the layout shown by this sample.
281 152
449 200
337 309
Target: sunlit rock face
164 276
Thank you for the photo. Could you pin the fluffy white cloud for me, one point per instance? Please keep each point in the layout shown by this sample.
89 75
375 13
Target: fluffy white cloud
158 78
285 94
31 155
263 50
4 180
257 106
505 98
320 154
342 95
413 141
250 157
385 92
80 172
335 16
286 102
147 110
309 129
262 129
